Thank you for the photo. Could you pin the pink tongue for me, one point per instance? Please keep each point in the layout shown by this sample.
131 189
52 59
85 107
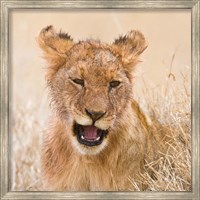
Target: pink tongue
90 132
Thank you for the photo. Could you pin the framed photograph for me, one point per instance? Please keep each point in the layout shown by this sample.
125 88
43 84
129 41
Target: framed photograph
99 99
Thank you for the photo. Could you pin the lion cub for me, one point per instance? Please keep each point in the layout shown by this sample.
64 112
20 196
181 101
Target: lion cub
98 137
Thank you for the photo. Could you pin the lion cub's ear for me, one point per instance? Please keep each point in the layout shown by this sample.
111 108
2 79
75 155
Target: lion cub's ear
55 45
129 47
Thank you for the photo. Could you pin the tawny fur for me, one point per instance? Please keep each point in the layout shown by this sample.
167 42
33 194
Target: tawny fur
68 165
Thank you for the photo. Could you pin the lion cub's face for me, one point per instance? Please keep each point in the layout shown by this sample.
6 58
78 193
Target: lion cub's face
94 89
91 84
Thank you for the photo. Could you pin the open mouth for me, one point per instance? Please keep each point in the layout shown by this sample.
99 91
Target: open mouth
89 135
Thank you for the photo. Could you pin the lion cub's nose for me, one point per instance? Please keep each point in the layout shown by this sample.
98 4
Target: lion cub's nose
94 115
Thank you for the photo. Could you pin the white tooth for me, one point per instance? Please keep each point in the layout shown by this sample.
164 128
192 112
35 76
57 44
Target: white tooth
82 137
98 138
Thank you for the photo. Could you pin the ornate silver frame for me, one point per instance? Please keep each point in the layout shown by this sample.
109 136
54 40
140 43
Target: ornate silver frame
7 6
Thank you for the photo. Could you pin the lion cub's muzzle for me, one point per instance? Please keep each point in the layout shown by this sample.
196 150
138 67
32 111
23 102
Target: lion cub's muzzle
90 135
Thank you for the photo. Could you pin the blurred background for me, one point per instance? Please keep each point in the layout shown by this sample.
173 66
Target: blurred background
167 59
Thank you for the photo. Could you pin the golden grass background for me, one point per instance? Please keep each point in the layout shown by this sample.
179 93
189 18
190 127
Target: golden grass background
162 86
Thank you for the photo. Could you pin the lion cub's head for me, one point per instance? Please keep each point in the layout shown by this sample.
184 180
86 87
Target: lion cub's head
90 84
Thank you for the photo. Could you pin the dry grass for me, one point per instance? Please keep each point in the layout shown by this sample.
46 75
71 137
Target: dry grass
170 112
169 108
28 127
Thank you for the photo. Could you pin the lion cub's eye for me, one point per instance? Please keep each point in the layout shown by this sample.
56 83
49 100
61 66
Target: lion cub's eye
78 81
114 84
